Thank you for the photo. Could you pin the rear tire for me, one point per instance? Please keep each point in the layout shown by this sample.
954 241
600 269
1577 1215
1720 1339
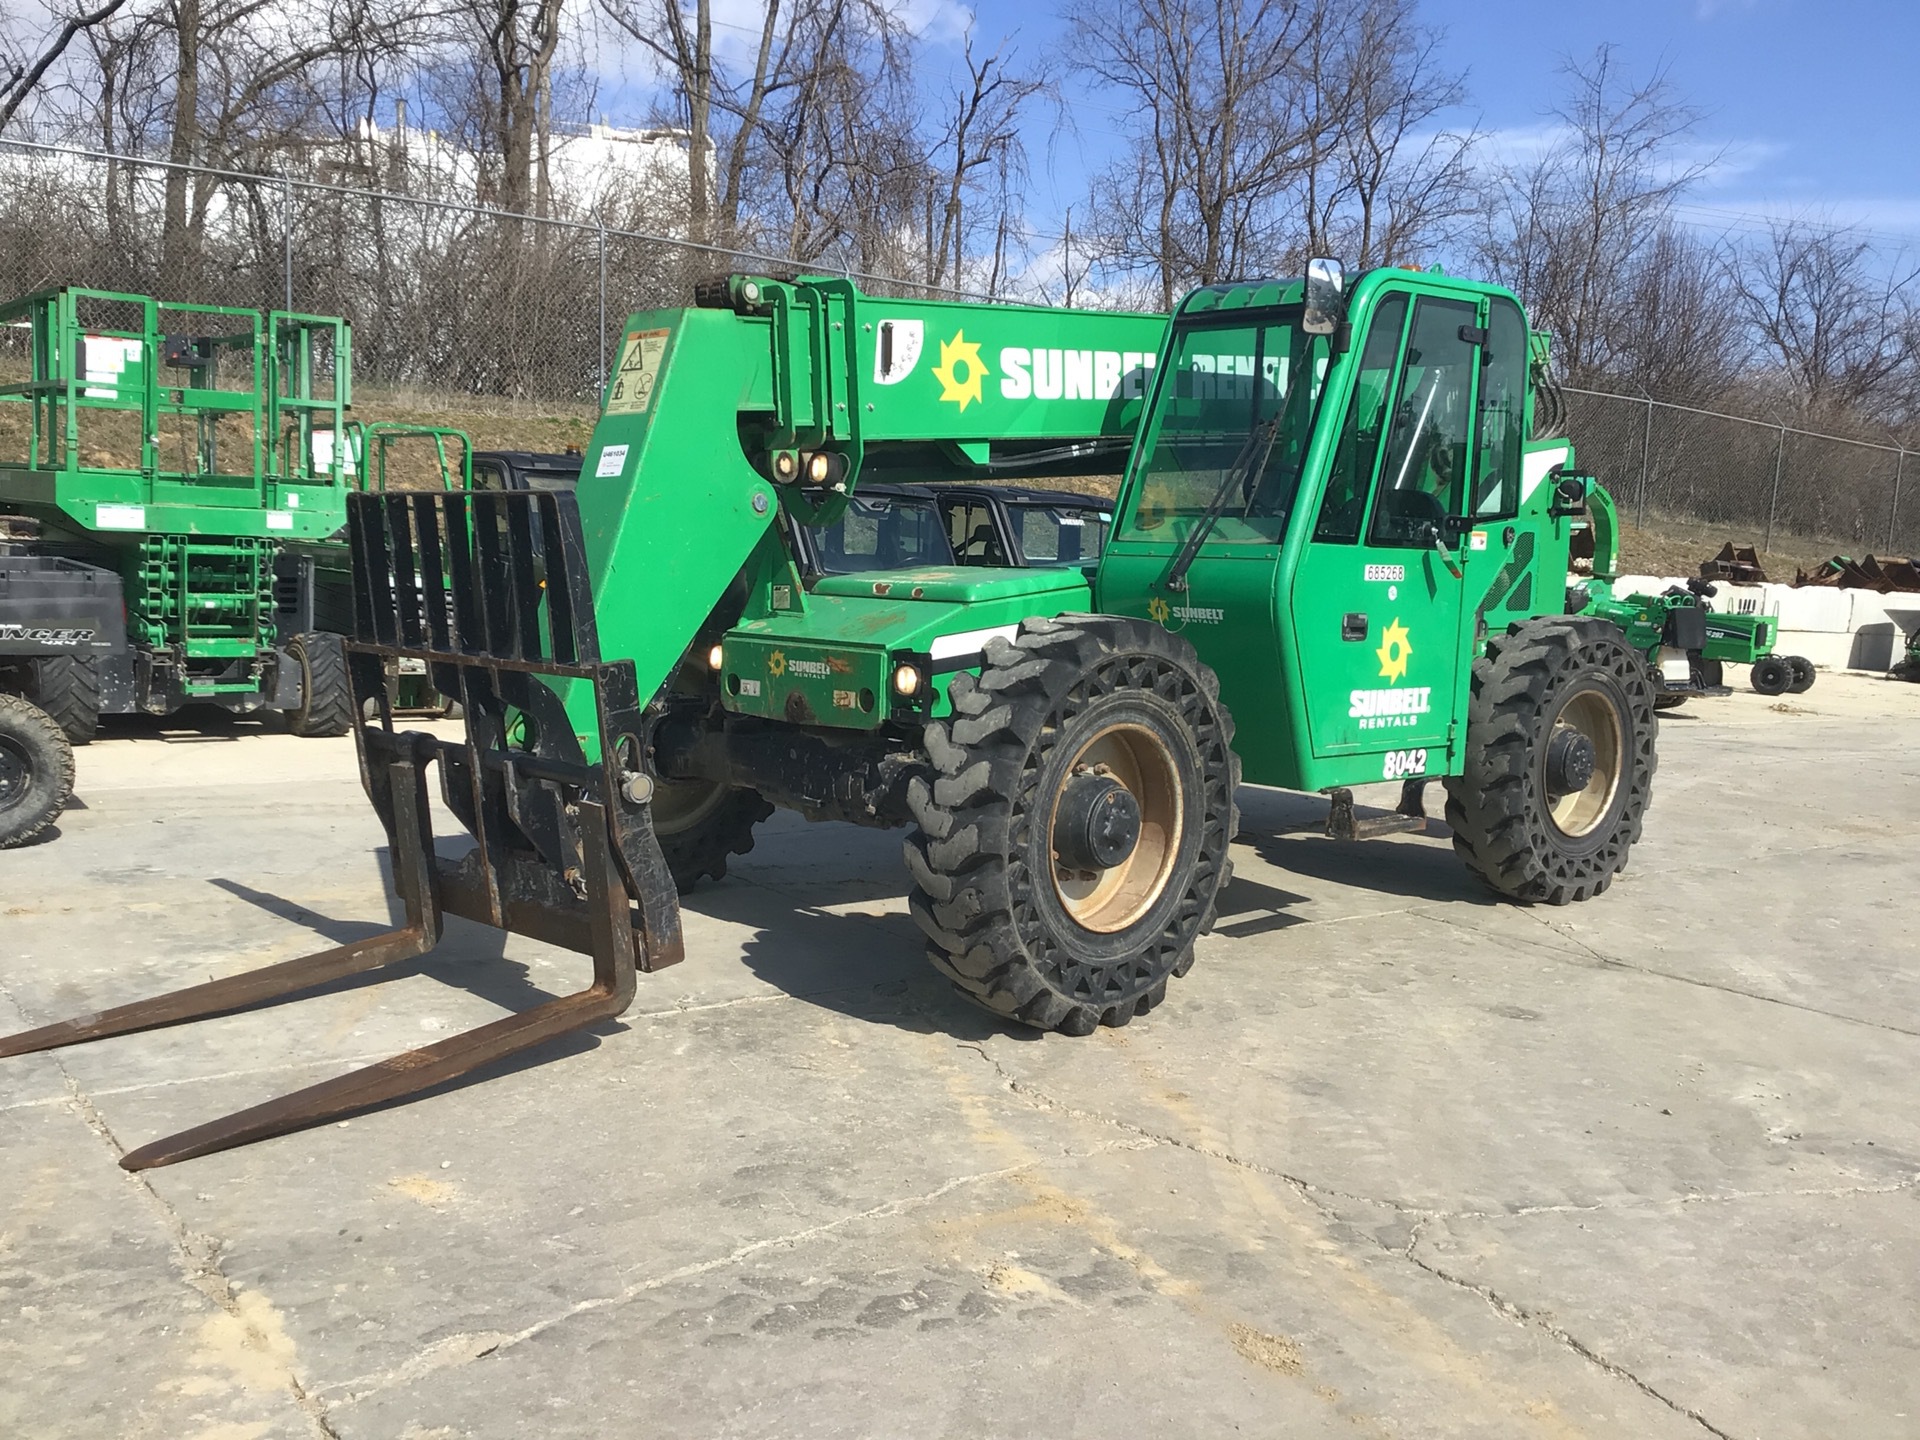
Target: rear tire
1803 674
36 771
1079 720
1771 675
1545 692
701 824
67 687
326 697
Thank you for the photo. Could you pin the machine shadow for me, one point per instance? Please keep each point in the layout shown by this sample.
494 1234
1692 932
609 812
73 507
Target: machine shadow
873 971
1394 866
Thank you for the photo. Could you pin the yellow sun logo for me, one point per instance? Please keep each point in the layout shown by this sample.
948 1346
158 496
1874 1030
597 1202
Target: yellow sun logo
777 663
1395 650
954 353
1157 608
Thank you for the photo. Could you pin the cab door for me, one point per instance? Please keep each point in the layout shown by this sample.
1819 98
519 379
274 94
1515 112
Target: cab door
1378 592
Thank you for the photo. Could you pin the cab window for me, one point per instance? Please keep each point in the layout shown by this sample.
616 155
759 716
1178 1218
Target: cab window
1233 416
971 531
1501 437
1424 474
1358 454
883 534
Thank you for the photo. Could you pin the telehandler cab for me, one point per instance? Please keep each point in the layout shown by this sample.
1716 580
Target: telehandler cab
1333 529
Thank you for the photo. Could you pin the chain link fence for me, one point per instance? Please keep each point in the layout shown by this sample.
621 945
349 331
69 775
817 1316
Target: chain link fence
1663 461
463 303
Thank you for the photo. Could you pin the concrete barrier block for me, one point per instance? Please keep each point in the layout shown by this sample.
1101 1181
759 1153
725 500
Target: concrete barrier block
1828 649
1823 611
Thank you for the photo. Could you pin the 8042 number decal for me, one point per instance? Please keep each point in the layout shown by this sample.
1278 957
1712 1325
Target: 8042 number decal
1404 763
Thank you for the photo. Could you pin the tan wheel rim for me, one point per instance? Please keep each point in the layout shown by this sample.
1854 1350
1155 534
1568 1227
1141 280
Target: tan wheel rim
683 804
1580 812
1109 900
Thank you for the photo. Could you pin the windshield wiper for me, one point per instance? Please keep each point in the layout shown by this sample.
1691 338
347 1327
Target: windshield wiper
1251 460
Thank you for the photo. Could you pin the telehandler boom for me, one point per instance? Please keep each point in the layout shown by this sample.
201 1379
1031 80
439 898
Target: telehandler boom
1333 526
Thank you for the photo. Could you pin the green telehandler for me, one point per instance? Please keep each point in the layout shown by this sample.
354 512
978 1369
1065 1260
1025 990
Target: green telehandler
1338 557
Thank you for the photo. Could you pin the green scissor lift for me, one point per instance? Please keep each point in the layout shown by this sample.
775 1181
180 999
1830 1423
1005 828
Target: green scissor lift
179 448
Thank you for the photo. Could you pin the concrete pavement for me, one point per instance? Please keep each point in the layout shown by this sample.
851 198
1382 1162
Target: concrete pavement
1393 1160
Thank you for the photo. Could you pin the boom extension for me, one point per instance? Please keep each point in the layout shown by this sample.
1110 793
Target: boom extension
490 591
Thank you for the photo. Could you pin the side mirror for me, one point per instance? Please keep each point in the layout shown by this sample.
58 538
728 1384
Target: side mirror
1325 297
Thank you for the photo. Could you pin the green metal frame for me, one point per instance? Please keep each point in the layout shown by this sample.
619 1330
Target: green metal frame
189 512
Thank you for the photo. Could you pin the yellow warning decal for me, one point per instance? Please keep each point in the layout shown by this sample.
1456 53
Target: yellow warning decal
639 369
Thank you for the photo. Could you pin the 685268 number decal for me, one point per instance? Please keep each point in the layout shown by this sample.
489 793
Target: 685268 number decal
1403 763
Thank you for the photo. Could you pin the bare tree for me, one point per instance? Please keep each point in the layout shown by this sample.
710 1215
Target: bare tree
1839 321
1225 128
25 61
1678 331
981 142
1569 227
1393 183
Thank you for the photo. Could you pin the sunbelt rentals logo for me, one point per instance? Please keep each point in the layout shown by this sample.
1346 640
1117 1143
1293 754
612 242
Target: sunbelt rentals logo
1391 709
1161 612
957 356
1020 372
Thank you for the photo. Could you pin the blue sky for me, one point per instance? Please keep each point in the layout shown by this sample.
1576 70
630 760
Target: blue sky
1817 104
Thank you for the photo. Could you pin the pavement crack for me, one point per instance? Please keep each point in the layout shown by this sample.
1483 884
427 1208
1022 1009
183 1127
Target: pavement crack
1520 1315
1309 1191
195 1256
1614 962
464 1349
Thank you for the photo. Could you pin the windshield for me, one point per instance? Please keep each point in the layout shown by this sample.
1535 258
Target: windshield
883 533
1224 380
1058 535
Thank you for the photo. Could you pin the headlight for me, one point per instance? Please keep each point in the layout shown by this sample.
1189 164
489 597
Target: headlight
906 680
716 657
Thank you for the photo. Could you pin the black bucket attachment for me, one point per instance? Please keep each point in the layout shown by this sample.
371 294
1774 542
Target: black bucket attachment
490 590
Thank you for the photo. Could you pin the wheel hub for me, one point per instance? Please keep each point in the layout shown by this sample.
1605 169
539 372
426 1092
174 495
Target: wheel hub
1570 760
1114 832
1097 824
15 776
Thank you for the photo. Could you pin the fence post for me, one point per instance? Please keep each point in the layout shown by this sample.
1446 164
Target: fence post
1773 505
1646 453
603 308
1893 513
286 237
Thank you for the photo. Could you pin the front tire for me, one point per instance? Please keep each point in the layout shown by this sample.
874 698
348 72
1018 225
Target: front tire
36 771
1771 675
1560 761
326 697
701 824
1072 844
1803 674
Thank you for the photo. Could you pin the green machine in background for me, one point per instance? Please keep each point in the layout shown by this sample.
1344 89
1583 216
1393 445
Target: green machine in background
1338 556
172 451
1685 643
